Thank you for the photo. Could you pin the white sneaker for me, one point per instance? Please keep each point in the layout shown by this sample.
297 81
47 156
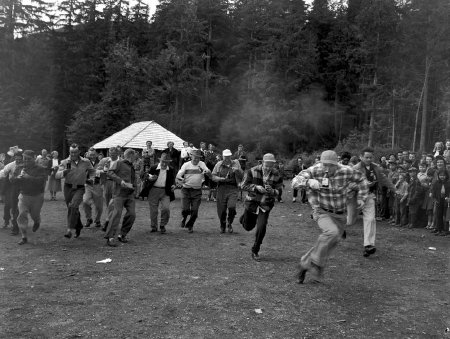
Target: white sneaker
294 200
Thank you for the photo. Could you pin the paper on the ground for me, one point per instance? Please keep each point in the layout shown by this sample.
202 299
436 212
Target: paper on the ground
258 310
104 261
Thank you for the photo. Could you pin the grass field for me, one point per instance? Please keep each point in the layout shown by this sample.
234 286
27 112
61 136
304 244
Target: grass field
205 284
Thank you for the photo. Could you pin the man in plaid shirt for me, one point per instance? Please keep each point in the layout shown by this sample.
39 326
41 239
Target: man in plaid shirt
328 185
262 183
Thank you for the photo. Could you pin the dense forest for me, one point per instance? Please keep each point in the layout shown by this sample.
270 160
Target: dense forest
276 75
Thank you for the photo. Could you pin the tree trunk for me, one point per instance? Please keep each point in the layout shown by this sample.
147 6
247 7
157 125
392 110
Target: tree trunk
372 112
393 120
423 130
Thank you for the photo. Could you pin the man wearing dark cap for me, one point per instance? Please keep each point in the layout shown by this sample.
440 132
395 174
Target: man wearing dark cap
374 177
75 170
190 177
31 183
10 173
262 183
328 184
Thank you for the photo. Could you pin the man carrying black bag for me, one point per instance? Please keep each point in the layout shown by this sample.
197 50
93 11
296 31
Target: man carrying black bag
262 183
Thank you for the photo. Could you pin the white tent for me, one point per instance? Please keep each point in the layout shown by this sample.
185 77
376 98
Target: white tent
136 135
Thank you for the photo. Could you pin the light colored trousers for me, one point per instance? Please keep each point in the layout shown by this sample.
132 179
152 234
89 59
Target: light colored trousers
31 205
157 197
369 222
332 227
109 190
93 196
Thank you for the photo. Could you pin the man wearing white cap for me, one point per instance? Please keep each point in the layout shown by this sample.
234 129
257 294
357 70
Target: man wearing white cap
328 185
262 184
228 174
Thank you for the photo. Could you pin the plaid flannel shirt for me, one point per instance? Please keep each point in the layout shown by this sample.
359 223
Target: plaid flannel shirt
342 184
254 177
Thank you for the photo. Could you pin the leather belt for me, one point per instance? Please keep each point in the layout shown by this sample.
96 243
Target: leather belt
73 186
331 211
158 187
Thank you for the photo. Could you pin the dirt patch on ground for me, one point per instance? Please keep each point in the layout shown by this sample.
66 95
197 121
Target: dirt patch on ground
205 284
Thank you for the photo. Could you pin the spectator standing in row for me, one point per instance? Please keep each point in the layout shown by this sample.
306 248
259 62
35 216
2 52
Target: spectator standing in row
54 185
241 156
297 168
173 154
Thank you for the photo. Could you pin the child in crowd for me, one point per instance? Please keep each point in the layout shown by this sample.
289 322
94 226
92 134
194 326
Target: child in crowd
401 217
428 200
415 198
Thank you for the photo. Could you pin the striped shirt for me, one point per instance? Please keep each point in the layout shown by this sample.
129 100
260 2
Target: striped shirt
192 175
341 186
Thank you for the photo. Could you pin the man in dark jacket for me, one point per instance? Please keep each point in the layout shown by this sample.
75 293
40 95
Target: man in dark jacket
262 183
124 177
31 182
160 187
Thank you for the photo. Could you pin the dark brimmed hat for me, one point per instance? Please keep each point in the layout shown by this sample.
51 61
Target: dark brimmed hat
411 169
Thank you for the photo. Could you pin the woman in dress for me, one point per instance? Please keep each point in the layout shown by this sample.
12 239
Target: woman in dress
54 185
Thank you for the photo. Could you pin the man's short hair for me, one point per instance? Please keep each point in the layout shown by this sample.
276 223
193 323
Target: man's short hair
129 152
367 150
29 153
346 155
112 149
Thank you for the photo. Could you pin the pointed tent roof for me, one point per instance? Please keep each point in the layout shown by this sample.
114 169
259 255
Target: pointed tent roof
136 135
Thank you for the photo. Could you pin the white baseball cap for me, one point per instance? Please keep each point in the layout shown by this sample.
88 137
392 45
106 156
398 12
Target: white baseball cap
226 153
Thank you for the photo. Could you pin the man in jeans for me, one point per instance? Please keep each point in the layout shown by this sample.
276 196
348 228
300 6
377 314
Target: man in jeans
31 185
328 185
124 177
190 177
262 184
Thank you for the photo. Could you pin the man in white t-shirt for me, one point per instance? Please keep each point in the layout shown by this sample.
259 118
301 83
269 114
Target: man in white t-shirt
191 176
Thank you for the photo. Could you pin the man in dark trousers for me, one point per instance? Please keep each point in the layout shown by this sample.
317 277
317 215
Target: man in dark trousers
125 178
10 173
262 183
160 191
75 170
31 183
